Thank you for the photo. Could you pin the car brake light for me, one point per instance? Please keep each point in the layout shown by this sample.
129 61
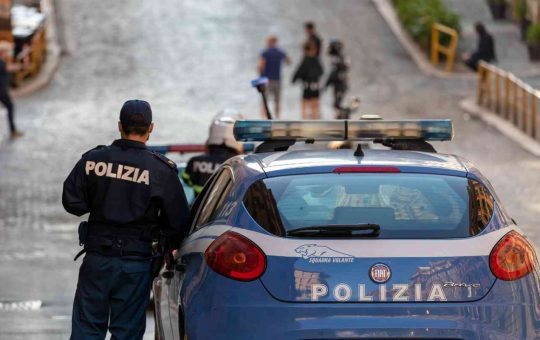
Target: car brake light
236 257
512 257
354 169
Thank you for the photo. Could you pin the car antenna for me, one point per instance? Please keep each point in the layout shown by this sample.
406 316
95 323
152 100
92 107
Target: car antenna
260 84
359 152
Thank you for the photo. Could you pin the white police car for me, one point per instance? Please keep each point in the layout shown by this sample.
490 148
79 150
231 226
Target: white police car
348 244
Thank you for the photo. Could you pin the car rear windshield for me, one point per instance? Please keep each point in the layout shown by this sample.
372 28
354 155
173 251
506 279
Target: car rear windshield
403 205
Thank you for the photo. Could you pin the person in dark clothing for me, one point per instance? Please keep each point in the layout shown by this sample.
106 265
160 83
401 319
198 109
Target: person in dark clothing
221 145
133 196
309 73
5 98
338 78
485 50
313 38
270 67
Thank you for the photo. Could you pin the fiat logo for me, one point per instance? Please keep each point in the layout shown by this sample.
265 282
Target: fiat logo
380 273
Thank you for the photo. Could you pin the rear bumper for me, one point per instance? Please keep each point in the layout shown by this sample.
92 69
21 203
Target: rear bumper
235 310
325 322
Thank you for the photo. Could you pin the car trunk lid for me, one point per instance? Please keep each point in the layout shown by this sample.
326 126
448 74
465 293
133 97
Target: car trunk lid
375 270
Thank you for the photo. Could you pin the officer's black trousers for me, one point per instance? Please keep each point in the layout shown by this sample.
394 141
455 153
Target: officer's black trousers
112 293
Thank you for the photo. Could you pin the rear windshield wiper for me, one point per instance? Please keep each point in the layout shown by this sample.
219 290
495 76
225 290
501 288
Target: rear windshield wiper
338 230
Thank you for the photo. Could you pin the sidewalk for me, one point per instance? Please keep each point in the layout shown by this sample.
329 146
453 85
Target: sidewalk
511 51
45 74
512 56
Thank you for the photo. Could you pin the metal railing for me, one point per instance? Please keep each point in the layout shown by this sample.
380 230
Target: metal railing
436 47
509 97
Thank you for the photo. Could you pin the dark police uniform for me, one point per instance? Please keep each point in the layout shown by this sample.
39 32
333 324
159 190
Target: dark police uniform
200 168
338 78
132 195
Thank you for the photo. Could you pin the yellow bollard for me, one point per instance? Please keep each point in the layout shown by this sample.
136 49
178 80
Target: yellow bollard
436 48
507 85
533 132
487 78
480 89
524 111
497 93
515 103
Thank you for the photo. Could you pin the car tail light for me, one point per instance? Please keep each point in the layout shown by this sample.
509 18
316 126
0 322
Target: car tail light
236 257
512 257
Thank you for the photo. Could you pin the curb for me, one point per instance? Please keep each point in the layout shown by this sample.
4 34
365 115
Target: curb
52 60
506 128
386 10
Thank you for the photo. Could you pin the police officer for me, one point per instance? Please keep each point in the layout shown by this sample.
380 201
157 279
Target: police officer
338 77
221 145
132 196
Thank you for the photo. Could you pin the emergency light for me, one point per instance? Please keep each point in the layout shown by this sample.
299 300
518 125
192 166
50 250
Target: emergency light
336 130
264 130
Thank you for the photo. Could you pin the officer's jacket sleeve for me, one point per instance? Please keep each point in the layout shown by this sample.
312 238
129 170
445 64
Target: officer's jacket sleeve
74 194
186 174
175 209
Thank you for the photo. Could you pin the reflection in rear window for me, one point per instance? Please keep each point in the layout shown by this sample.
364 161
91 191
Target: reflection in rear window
404 205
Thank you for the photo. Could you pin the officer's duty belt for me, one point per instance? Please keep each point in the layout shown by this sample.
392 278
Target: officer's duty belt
143 232
126 241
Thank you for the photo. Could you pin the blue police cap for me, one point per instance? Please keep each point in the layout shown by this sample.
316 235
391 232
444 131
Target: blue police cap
136 112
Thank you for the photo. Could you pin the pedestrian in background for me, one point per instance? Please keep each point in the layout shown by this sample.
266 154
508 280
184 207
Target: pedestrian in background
339 76
5 67
309 73
221 145
485 50
313 38
134 196
270 67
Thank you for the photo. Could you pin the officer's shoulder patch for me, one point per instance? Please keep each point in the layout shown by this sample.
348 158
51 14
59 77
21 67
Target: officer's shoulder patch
165 160
96 148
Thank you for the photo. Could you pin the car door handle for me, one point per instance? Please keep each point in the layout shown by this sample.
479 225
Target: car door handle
180 265
168 273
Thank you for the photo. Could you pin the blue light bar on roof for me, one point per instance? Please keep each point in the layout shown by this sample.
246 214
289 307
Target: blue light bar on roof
336 130
426 129
264 130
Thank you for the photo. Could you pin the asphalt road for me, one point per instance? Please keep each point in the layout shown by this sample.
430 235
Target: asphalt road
190 59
